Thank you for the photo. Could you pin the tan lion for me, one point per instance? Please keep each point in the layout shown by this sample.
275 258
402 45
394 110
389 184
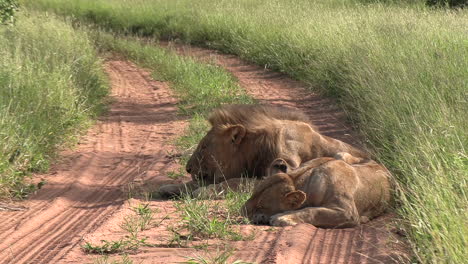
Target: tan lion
245 139
324 192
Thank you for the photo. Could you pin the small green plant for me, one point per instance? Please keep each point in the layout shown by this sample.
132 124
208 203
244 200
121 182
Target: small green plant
8 9
234 200
107 247
220 257
195 217
133 224
178 239
107 260
125 244
142 220
145 215
206 218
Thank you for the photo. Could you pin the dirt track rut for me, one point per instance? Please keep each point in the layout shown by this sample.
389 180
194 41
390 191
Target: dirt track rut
85 187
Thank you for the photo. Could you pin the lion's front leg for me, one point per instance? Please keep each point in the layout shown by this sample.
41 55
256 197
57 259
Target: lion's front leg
285 219
173 190
319 217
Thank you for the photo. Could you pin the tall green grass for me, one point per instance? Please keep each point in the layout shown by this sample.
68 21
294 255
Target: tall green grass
51 83
399 71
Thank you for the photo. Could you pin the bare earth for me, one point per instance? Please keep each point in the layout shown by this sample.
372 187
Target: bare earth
86 195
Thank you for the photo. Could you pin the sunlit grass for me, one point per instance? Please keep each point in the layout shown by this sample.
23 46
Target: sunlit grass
51 83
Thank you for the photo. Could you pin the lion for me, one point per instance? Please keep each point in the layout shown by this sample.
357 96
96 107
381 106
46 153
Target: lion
338 192
245 139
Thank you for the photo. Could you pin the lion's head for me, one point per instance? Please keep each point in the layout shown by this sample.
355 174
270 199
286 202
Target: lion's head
242 140
277 193
273 195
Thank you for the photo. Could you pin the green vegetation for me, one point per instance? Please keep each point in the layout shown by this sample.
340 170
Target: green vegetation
51 84
110 247
133 224
142 220
400 71
8 9
447 3
220 257
206 217
105 259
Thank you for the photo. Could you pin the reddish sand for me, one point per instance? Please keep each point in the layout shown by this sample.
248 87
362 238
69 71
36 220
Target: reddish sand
85 198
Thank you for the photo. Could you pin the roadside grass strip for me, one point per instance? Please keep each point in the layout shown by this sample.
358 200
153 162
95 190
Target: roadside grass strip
51 86
399 70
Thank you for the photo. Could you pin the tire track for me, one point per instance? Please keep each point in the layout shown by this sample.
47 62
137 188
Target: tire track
86 187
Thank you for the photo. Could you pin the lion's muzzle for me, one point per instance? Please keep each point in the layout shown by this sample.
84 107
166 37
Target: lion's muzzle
260 219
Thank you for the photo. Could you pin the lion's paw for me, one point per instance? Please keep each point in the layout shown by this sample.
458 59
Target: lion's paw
169 190
282 220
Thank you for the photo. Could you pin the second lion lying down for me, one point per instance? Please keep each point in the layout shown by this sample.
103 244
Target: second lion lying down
326 192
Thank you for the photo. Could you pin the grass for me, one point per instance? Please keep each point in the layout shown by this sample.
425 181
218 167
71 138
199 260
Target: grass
111 247
107 260
399 70
206 217
221 256
133 224
51 86
142 220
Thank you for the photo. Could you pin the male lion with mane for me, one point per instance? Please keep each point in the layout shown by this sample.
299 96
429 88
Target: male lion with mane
245 139
325 192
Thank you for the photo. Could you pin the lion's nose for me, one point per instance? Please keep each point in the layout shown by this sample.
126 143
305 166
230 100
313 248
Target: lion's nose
260 219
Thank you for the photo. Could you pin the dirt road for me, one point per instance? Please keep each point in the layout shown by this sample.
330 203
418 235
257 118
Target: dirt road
86 186
84 200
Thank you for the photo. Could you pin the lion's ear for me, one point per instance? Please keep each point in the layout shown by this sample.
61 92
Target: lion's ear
236 133
294 199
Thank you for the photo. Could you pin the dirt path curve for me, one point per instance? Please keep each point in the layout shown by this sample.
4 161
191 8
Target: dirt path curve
85 187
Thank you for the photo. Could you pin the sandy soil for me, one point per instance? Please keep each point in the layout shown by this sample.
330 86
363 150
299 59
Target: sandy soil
86 195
